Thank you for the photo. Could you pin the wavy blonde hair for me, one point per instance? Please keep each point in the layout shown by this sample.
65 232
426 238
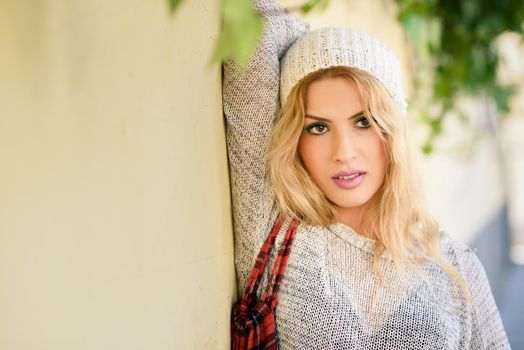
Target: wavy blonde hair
397 219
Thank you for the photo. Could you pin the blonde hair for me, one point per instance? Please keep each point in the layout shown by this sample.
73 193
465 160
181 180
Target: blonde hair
397 219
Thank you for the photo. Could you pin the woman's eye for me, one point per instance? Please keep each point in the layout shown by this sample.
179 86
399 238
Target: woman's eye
363 122
316 129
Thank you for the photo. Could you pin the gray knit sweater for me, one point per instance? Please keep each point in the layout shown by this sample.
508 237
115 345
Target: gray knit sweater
329 297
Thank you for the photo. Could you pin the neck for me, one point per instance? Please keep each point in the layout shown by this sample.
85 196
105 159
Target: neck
351 217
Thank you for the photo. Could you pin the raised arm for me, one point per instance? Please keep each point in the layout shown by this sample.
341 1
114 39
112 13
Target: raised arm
251 101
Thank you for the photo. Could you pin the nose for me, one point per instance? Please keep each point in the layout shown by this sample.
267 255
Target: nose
344 148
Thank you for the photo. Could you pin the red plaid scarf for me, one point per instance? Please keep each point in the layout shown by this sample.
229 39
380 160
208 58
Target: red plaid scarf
252 320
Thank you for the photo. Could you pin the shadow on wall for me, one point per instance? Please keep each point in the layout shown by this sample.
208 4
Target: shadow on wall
492 246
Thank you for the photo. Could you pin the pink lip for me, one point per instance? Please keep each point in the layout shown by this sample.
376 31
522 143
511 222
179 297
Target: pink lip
348 184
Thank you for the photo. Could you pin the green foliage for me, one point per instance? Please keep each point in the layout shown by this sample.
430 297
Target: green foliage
242 28
313 4
455 46
173 5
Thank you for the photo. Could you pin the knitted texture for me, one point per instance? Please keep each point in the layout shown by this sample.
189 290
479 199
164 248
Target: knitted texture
329 297
328 47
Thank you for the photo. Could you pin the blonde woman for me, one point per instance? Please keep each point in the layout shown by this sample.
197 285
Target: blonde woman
316 131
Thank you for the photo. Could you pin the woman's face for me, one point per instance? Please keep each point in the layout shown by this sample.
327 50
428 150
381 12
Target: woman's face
340 150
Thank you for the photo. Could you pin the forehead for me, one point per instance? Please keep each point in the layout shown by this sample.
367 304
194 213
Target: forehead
331 97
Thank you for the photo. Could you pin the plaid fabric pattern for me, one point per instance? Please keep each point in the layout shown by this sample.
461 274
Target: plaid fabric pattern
253 321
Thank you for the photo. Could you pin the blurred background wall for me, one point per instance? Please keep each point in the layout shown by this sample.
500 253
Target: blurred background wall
115 229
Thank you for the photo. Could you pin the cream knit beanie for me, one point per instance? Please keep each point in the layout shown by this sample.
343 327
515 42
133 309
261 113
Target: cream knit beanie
328 47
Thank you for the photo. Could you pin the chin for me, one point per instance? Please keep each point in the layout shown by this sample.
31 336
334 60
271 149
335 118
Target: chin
350 203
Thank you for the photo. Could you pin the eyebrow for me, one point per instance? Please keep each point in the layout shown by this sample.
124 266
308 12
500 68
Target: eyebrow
358 114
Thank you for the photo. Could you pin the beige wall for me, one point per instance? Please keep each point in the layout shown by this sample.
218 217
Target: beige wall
115 227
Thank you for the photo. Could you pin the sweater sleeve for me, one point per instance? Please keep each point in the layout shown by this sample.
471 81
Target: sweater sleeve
251 100
487 331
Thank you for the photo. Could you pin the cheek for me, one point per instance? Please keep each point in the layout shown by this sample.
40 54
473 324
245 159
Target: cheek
308 153
374 152
302 151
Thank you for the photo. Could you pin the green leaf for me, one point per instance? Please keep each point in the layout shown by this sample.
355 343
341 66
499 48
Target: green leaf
242 28
173 5
502 95
312 4
436 126
416 26
427 149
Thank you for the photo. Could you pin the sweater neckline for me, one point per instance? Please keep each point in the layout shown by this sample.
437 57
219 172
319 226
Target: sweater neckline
348 234
362 242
